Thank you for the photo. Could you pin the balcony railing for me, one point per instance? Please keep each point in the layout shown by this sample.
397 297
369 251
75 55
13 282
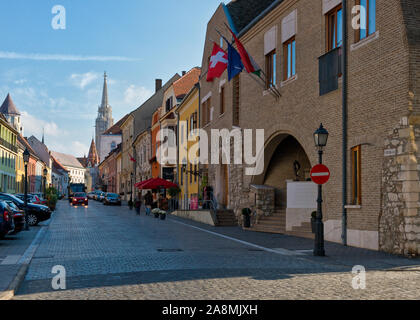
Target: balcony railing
330 69
8 145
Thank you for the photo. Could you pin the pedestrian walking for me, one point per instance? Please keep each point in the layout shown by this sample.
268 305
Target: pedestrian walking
137 205
148 201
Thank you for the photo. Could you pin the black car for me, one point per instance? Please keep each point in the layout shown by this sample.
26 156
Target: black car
6 220
36 212
18 216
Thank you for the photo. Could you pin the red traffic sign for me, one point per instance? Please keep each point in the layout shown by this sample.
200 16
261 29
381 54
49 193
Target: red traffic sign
320 174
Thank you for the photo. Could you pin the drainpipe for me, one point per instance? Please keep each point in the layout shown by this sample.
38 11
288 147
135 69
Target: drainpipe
200 178
344 124
178 167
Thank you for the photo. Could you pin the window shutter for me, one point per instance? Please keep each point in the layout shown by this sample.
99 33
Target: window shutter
328 5
289 26
270 40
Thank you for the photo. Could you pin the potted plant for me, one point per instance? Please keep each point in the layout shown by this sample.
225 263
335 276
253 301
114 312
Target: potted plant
156 212
52 198
246 212
162 214
313 221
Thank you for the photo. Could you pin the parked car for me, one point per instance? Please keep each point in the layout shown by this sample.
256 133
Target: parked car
97 195
40 197
18 216
6 220
36 213
80 198
101 196
112 198
31 198
90 195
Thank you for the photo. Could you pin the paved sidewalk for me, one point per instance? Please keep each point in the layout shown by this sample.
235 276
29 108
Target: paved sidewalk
16 252
336 254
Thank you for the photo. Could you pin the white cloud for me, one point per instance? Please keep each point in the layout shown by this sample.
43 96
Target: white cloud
84 79
78 149
20 81
35 126
60 57
136 95
56 138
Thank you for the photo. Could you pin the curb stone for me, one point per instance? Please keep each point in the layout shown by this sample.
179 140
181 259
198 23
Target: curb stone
13 287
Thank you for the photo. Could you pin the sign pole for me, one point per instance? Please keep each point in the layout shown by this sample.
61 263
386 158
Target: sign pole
319 234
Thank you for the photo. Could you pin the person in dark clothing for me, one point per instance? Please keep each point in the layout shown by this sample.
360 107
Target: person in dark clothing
137 205
148 201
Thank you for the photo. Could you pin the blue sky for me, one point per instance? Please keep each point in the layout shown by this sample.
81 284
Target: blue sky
55 77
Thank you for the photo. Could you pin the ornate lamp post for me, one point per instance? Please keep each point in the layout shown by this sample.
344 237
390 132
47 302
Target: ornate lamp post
45 182
26 156
131 186
321 138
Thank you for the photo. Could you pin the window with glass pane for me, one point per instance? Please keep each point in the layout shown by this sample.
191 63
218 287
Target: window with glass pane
356 175
270 62
334 25
289 58
367 19
222 100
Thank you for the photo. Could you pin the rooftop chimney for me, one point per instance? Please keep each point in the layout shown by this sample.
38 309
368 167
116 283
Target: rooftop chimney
158 84
184 73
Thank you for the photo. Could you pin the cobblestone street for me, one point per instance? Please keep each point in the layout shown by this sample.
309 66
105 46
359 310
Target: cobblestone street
111 253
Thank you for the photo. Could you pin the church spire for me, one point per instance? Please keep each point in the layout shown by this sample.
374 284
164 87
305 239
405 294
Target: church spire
93 157
105 92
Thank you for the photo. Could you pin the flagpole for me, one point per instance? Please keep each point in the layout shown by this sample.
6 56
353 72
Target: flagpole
274 90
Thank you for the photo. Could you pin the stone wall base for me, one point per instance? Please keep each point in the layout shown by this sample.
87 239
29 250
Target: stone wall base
355 238
399 222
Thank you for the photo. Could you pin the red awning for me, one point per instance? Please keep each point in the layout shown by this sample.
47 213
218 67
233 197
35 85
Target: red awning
155 183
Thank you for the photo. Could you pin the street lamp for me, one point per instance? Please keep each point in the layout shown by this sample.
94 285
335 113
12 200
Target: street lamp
26 156
131 186
321 138
45 182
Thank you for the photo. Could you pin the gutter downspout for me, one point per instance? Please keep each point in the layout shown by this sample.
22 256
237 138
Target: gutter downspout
344 124
178 167
200 178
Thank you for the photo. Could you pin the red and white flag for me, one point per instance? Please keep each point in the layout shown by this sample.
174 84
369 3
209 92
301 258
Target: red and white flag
218 63
249 63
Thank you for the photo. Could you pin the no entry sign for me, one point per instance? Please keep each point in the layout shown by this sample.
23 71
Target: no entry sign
320 174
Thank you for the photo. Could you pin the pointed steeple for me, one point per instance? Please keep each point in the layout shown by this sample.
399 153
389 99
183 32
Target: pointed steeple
93 158
105 93
104 121
8 107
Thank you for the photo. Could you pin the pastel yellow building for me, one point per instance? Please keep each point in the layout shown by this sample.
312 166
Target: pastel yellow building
188 179
20 169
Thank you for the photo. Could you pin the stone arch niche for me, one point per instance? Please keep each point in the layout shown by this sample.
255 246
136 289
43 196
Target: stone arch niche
280 153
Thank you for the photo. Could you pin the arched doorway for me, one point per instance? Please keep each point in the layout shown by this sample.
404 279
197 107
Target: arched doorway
283 154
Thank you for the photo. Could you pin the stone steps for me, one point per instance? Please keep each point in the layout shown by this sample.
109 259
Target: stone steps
304 231
276 223
226 218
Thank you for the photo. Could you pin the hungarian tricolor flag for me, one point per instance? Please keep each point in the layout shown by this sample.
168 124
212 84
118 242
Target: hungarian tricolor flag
249 63
217 64
131 158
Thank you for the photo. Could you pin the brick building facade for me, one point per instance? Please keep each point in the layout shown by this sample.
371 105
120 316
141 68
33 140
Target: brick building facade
382 119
